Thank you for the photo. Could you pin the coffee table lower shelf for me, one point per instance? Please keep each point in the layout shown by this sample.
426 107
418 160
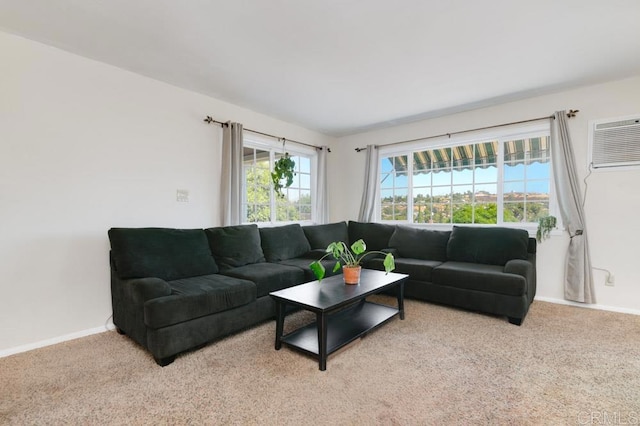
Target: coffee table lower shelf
343 327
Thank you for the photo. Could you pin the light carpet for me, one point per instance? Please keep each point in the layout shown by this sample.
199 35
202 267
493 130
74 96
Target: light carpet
564 365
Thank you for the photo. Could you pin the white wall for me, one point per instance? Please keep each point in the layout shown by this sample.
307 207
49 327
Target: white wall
613 198
85 146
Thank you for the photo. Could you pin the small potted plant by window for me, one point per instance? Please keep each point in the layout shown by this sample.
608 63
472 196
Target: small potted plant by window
349 260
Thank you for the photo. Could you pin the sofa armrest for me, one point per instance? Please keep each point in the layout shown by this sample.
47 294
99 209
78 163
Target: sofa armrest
143 289
520 267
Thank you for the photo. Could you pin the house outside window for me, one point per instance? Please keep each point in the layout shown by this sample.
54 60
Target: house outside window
501 178
260 203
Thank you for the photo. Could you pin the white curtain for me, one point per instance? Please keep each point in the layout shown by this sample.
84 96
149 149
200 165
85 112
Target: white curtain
368 204
578 284
322 202
231 191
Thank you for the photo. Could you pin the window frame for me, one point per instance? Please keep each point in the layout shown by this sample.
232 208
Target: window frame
506 133
274 147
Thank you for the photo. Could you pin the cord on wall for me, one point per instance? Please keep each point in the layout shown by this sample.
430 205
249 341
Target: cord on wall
584 197
610 277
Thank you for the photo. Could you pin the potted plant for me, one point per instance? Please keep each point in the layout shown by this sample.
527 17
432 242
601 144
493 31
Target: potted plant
283 169
545 225
349 260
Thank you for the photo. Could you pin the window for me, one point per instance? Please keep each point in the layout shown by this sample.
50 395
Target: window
491 179
260 203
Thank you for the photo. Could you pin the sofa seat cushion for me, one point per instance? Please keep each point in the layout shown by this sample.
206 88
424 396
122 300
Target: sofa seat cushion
163 253
268 277
479 277
417 269
303 263
197 297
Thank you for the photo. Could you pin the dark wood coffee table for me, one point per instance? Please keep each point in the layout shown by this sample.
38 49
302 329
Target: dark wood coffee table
342 312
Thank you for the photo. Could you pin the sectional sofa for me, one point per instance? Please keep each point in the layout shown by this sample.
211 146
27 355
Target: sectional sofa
174 290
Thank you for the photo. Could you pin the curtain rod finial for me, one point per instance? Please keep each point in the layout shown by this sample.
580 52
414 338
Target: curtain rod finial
572 113
209 119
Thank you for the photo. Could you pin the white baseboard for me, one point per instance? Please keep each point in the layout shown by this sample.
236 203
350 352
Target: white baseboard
589 306
55 340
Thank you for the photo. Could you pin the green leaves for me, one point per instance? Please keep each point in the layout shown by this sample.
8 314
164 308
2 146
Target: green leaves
358 247
283 169
349 257
317 269
389 263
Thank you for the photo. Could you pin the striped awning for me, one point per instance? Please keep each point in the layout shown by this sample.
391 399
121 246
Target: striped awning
481 155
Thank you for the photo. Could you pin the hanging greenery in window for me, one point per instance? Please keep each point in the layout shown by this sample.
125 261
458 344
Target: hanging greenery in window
545 226
283 170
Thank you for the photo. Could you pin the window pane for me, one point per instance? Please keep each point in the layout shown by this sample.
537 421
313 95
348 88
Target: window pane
462 176
537 170
538 188
305 165
462 213
536 210
486 193
513 171
441 213
401 180
441 191
462 194
386 212
386 165
513 212
421 179
386 180
513 191
488 174
400 212
386 195
442 177
305 181
485 213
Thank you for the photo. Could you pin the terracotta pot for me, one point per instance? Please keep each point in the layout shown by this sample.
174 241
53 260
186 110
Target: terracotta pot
351 274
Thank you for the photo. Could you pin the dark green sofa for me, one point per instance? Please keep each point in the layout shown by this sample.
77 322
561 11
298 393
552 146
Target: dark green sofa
177 289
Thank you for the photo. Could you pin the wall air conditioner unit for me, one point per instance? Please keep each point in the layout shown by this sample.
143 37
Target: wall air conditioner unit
615 143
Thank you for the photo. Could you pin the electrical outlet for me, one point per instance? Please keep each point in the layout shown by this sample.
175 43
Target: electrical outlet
182 195
611 280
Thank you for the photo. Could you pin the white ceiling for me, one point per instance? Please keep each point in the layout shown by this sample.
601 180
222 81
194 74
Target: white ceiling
344 66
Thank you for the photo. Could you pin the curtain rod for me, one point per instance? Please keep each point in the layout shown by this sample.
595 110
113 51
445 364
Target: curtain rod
210 120
570 114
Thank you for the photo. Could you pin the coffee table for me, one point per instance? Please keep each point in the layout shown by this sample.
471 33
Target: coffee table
342 312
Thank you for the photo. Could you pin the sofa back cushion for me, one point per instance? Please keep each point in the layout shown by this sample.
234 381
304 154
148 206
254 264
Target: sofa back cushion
234 246
283 242
491 246
375 235
164 253
418 243
320 236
